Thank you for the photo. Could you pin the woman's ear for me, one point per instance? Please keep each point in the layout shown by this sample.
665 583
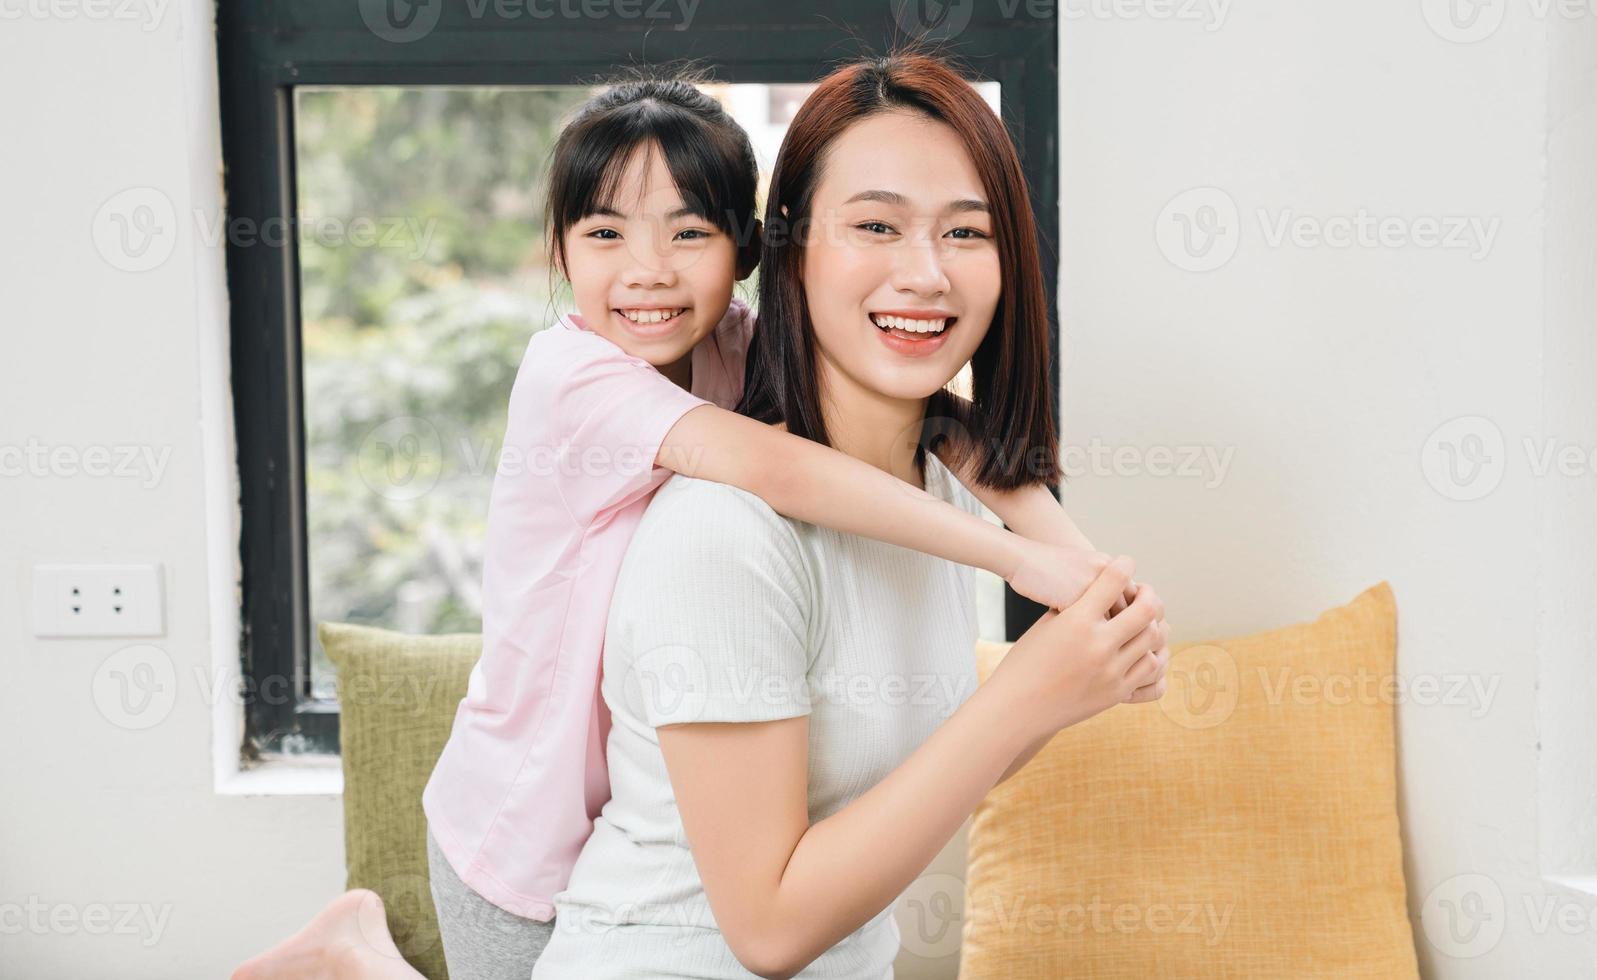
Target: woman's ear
749 252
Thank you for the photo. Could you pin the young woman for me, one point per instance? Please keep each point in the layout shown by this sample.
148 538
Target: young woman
796 726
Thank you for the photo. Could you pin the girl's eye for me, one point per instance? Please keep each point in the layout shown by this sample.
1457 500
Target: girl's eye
969 233
603 233
875 227
693 233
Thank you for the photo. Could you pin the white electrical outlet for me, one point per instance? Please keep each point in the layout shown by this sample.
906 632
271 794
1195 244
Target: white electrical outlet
97 600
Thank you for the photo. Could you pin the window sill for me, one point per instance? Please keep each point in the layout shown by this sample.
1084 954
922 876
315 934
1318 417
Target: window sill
299 775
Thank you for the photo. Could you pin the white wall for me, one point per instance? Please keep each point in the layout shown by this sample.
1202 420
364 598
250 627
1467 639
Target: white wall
1327 372
98 817
1324 372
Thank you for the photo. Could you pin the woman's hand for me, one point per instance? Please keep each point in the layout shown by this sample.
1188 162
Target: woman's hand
1073 664
1153 690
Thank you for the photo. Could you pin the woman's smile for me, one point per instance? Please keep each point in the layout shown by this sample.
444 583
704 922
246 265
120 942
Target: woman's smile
914 333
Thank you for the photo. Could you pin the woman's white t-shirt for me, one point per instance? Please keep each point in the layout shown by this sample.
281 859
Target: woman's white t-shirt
727 611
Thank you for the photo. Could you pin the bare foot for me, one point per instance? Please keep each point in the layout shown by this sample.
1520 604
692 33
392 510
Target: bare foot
347 940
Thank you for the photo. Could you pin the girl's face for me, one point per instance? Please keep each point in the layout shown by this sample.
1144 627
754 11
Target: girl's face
647 273
901 271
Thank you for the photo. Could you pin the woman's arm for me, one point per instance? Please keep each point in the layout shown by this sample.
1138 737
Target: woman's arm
819 485
784 891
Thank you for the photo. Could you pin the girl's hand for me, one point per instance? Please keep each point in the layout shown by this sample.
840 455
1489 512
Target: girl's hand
1054 575
1073 664
1057 575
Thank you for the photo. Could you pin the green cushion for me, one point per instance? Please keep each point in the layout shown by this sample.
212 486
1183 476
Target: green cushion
397 697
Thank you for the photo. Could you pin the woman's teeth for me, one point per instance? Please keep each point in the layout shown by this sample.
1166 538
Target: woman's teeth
906 324
650 316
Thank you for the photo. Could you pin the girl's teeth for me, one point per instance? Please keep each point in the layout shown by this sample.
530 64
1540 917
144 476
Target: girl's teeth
906 324
649 316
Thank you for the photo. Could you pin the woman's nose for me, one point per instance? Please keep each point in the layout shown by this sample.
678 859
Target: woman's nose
919 268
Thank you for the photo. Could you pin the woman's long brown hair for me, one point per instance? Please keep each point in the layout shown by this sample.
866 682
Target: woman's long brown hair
1005 433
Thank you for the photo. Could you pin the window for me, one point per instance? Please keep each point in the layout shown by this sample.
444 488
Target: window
399 151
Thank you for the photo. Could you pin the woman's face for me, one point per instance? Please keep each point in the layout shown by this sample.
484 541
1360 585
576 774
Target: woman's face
901 271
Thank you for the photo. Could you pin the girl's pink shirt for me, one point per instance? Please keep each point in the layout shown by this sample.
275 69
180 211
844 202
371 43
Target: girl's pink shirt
513 796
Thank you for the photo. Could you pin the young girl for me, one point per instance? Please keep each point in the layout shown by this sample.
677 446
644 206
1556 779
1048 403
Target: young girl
651 218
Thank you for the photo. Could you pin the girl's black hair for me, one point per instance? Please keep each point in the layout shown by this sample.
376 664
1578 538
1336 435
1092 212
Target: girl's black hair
707 152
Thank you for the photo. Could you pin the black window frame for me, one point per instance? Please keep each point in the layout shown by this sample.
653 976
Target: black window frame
266 47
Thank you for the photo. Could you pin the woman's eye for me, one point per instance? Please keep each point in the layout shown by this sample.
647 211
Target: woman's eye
875 227
693 233
969 233
604 233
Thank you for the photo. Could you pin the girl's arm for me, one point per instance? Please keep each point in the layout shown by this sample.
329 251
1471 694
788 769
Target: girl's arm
1032 511
819 485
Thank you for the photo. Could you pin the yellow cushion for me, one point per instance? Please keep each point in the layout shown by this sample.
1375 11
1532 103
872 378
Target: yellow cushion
1243 826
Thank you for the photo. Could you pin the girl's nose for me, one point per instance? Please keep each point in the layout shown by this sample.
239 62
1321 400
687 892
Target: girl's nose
648 268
